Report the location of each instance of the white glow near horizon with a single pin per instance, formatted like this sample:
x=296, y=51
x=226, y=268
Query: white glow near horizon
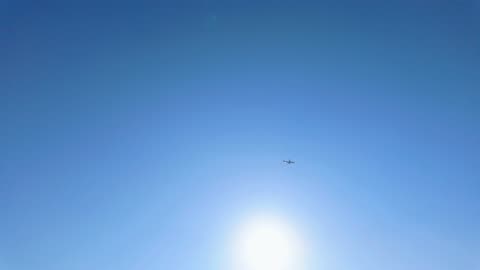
x=267, y=243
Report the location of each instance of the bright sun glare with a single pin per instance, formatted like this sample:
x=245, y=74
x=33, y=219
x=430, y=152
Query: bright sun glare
x=267, y=243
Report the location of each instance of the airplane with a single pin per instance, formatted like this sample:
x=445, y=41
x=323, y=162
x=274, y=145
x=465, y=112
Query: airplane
x=289, y=161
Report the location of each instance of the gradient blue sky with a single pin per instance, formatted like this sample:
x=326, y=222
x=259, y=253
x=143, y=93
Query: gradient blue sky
x=134, y=136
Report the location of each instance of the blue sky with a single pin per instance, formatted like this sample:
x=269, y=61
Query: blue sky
x=134, y=136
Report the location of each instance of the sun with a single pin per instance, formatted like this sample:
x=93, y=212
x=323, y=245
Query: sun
x=267, y=243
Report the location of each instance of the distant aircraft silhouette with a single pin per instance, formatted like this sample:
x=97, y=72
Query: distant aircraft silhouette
x=289, y=161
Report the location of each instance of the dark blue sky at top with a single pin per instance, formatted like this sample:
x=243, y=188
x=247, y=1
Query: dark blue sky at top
x=132, y=136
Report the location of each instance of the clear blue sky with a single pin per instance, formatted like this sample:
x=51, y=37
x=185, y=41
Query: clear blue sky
x=132, y=137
